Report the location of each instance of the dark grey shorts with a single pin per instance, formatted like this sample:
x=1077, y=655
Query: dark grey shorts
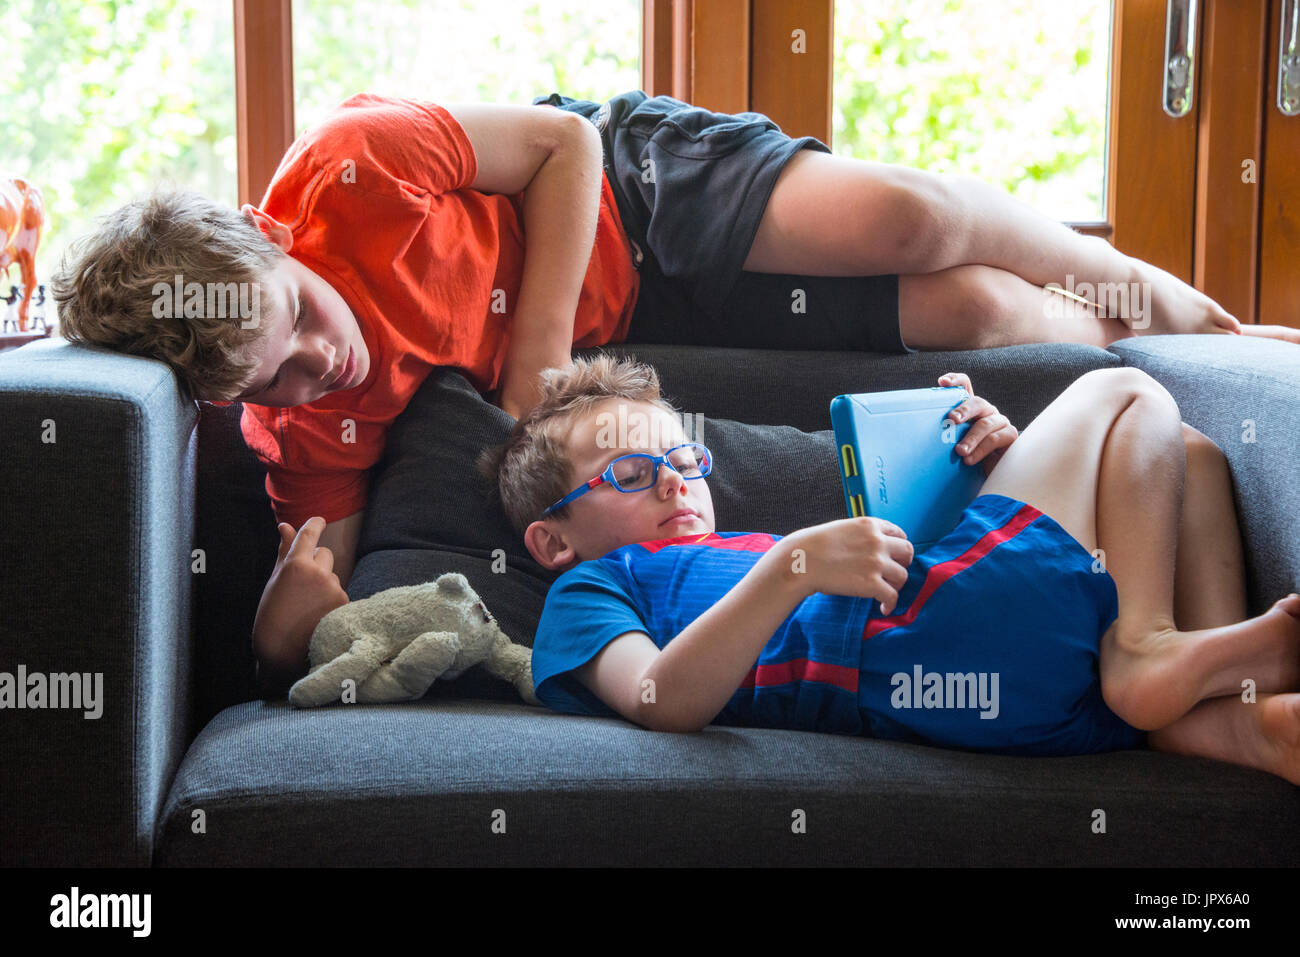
x=691, y=187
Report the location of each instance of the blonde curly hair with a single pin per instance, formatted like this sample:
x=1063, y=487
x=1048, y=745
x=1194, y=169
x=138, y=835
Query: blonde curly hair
x=105, y=287
x=531, y=470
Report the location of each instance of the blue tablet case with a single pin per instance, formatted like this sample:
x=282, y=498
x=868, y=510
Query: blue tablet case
x=899, y=462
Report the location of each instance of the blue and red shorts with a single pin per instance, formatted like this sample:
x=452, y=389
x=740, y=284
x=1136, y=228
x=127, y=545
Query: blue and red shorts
x=993, y=645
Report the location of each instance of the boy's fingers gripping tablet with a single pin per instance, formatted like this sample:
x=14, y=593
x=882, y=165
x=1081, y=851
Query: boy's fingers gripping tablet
x=957, y=379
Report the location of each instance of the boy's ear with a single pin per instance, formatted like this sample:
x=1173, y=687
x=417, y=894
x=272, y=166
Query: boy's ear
x=547, y=546
x=273, y=229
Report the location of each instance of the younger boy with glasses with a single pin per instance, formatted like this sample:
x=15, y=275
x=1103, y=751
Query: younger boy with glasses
x=1001, y=637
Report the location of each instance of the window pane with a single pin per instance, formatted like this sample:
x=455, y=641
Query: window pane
x=508, y=51
x=1012, y=92
x=104, y=100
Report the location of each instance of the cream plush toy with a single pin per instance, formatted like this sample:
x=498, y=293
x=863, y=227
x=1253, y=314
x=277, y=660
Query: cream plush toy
x=396, y=643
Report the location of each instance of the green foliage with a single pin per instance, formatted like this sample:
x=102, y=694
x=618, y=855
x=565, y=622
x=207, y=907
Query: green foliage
x=1013, y=93
x=102, y=99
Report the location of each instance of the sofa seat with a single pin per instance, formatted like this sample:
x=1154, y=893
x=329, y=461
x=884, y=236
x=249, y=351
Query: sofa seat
x=419, y=784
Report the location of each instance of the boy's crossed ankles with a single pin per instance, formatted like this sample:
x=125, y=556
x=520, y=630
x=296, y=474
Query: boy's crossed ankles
x=1152, y=677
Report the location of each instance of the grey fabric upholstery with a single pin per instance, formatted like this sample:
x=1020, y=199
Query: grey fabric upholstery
x=96, y=538
x=1244, y=393
x=419, y=785
x=97, y=543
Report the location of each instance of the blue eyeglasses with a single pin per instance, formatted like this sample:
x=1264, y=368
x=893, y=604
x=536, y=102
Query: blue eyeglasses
x=639, y=471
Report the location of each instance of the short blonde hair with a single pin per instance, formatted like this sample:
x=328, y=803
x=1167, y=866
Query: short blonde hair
x=531, y=470
x=105, y=287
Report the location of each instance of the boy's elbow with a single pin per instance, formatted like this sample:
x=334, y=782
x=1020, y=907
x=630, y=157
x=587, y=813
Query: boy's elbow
x=655, y=717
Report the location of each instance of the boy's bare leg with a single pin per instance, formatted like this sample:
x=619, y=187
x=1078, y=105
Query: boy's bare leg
x=1263, y=734
x=980, y=307
x=983, y=307
x=1210, y=571
x=1106, y=461
x=835, y=216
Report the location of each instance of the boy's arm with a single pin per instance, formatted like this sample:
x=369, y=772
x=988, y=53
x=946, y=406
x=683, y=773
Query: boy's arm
x=340, y=538
x=561, y=203
x=312, y=569
x=696, y=674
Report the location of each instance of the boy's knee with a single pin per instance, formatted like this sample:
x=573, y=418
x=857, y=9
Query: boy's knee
x=1201, y=450
x=956, y=308
x=1128, y=381
x=1006, y=310
x=926, y=203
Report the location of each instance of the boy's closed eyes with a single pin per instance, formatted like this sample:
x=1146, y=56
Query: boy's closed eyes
x=313, y=343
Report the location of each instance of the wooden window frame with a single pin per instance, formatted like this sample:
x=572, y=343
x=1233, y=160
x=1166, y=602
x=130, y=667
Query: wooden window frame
x=263, y=92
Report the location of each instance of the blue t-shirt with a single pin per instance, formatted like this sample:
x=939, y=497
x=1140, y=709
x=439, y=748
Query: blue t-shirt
x=805, y=678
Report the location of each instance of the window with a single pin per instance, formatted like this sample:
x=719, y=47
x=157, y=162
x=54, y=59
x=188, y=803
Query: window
x=508, y=51
x=1013, y=93
x=103, y=100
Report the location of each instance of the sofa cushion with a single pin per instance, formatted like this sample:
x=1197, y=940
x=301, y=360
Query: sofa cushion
x=421, y=784
x=235, y=527
x=1244, y=393
x=776, y=387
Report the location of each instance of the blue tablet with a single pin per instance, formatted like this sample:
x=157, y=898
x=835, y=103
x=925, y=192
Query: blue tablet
x=899, y=462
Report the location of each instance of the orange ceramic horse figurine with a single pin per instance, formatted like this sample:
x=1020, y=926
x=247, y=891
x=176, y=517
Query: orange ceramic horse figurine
x=22, y=214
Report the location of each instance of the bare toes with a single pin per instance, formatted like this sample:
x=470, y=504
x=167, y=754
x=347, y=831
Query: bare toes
x=1284, y=333
x=1279, y=717
x=1290, y=604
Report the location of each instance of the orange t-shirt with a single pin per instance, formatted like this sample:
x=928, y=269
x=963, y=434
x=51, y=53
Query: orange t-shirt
x=378, y=200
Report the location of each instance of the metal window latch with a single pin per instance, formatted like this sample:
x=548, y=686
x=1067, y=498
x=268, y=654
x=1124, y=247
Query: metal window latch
x=1180, y=56
x=1288, y=59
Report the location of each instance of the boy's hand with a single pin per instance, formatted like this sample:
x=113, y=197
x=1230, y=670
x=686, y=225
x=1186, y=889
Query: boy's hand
x=990, y=432
x=516, y=400
x=519, y=392
x=301, y=591
x=866, y=557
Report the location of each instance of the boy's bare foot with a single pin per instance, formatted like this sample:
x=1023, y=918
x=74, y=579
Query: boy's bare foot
x=1279, y=723
x=1170, y=306
x=1262, y=734
x=1153, y=678
x=1285, y=333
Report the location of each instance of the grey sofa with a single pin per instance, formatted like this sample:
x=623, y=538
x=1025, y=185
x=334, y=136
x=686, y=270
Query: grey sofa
x=136, y=537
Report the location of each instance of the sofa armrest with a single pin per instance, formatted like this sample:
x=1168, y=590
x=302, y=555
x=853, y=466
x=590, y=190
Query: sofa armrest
x=1244, y=393
x=97, y=527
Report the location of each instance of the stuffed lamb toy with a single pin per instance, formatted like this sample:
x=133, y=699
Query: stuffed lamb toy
x=396, y=643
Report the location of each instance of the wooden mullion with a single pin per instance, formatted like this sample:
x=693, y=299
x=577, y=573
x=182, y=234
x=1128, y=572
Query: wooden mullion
x=657, y=47
x=1279, y=186
x=263, y=92
x=1151, y=168
x=793, y=88
x=1231, y=130
x=720, y=55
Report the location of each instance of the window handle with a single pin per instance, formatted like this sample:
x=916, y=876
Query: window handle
x=1288, y=59
x=1180, y=55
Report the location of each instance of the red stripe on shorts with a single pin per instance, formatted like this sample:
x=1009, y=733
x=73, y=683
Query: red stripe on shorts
x=940, y=573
